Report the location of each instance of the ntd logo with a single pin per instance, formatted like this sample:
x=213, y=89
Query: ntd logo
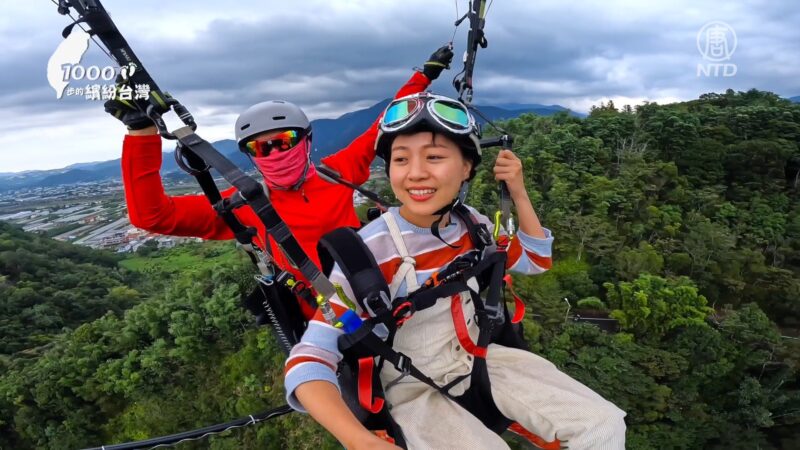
x=716, y=42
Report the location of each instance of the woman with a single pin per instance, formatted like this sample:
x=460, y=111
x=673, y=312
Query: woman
x=431, y=147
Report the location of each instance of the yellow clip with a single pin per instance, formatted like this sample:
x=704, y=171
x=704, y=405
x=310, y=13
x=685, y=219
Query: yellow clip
x=343, y=297
x=320, y=299
x=497, y=217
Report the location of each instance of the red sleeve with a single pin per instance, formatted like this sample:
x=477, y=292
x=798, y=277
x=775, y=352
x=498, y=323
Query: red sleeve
x=353, y=161
x=150, y=208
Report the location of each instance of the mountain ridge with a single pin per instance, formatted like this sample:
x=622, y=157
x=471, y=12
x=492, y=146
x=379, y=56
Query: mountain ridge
x=330, y=135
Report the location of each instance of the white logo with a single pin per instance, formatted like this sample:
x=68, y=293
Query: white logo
x=69, y=53
x=64, y=66
x=716, y=42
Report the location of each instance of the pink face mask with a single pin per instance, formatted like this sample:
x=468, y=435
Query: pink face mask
x=282, y=170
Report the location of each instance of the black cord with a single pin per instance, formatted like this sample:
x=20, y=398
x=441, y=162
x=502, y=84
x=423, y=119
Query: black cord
x=92, y=36
x=486, y=119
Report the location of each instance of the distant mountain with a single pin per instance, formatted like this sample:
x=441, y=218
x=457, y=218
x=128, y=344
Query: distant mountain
x=330, y=136
x=543, y=110
x=75, y=176
x=795, y=99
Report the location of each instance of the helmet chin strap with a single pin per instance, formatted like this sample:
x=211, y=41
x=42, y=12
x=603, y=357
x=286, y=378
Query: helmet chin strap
x=462, y=194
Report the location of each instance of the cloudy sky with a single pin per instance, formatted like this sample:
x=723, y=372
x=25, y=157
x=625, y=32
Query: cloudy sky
x=334, y=56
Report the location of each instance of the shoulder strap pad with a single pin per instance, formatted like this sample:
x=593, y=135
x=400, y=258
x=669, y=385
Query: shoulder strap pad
x=345, y=247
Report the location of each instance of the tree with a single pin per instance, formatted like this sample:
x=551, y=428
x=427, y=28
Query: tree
x=651, y=306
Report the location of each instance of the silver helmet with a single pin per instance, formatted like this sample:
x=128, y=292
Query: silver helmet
x=268, y=116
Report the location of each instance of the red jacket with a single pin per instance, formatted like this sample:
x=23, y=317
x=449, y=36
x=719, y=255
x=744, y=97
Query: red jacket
x=324, y=206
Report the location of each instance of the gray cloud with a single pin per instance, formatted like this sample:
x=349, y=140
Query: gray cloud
x=331, y=57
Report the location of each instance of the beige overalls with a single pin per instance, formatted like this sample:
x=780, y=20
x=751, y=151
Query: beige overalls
x=526, y=387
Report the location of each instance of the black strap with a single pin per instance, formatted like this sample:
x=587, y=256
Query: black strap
x=371, y=345
x=224, y=208
x=495, y=262
x=345, y=247
x=475, y=39
x=201, y=432
x=363, y=342
x=253, y=193
x=478, y=232
x=333, y=176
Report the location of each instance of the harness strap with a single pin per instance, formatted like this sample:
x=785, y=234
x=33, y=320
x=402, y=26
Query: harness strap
x=407, y=270
x=252, y=192
x=371, y=344
x=534, y=439
x=519, y=305
x=478, y=232
x=462, y=332
x=330, y=175
x=224, y=207
x=365, y=398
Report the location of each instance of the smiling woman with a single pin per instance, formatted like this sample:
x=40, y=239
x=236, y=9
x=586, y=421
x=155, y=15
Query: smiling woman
x=472, y=389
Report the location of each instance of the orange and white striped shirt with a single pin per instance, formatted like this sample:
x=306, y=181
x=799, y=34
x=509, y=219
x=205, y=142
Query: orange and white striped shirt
x=317, y=355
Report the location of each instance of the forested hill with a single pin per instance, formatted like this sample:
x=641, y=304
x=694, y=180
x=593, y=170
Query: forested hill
x=680, y=221
x=708, y=189
x=47, y=285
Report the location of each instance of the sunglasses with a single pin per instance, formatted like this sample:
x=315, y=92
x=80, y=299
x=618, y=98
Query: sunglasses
x=281, y=142
x=450, y=114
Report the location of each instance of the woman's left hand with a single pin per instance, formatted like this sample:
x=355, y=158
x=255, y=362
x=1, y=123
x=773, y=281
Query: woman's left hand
x=508, y=168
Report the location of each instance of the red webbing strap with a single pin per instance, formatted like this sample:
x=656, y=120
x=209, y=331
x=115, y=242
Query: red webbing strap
x=518, y=429
x=519, y=305
x=461, y=329
x=365, y=366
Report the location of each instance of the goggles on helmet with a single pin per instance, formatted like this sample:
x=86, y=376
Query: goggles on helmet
x=407, y=112
x=281, y=142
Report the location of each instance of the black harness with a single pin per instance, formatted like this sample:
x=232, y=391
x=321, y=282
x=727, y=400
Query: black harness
x=360, y=373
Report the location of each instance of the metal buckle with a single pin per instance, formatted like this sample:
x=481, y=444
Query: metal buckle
x=484, y=235
x=403, y=364
x=494, y=313
x=377, y=303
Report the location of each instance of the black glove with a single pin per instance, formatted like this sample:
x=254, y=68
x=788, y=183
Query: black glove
x=439, y=60
x=128, y=111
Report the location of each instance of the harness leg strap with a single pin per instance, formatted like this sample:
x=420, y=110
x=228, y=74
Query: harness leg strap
x=365, y=398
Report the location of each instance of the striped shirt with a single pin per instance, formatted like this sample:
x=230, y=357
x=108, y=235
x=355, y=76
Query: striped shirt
x=317, y=355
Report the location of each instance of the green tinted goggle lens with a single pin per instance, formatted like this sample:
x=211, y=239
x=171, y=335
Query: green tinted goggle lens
x=453, y=114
